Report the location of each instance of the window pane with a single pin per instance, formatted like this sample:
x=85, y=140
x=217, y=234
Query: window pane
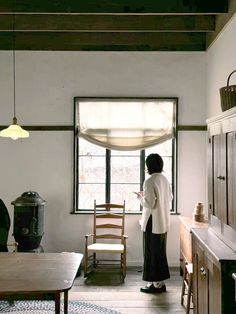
x=167, y=171
x=125, y=153
x=91, y=169
x=163, y=149
x=125, y=169
x=90, y=192
x=121, y=192
x=86, y=148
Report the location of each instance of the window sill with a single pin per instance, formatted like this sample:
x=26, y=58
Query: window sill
x=90, y=212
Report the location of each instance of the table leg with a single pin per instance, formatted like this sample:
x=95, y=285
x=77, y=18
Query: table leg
x=57, y=303
x=66, y=302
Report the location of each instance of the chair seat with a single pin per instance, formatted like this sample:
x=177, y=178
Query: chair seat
x=106, y=247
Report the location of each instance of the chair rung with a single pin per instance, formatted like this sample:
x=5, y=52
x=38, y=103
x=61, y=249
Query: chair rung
x=107, y=260
x=113, y=226
x=108, y=236
x=109, y=205
x=109, y=216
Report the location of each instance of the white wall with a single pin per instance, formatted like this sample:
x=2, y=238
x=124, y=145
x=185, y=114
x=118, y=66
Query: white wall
x=221, y=61
x=46, y=83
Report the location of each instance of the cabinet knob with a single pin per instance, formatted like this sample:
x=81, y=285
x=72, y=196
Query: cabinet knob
x=203, y=272
x=221, y=177
x=234, y=276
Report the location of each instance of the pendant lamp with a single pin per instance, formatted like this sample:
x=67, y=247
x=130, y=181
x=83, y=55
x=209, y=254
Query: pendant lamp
x=14, y=131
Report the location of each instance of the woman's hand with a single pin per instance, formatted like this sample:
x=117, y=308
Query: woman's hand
x=139, y=194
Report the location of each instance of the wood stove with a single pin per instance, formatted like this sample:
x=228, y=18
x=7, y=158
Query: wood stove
x=28, y=221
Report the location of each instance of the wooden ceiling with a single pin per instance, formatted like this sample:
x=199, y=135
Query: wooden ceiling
x=109, y=25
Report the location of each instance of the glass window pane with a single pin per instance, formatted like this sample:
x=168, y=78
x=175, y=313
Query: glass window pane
x=163, y=149
x=167, y=171
x=86, y=148
x=90, y=192
x=92, y=169
x=125, y=153
x=121, y=192
x=125, y=169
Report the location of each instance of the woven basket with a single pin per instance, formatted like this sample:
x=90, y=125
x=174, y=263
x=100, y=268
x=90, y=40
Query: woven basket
x=228, y=95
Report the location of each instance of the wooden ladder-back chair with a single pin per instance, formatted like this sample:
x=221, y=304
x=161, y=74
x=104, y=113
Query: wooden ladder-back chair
x=108, y=238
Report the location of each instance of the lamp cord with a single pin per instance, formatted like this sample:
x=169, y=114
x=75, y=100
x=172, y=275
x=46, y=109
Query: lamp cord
x=14, y=65
x=14, y=79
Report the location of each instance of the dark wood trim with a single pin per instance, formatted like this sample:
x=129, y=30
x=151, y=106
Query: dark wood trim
x=108, y=176
x=104, y=41
x=107, y=23
x=114, y=6
x=44, y=127
x=191, y=128
x=71, y=127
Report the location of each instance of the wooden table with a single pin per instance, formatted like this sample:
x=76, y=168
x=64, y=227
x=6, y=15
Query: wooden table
x=38, y=276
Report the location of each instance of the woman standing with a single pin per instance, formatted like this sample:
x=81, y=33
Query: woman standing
x=155, y=199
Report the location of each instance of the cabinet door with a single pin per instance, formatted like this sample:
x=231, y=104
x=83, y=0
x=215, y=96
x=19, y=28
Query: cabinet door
x=214, y=287
x=207, y=282
x=219, y=177
x=200, y=283
x=210, y=175
x=231, y=179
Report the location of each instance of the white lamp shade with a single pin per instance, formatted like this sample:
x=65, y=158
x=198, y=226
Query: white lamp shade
x=14, y=131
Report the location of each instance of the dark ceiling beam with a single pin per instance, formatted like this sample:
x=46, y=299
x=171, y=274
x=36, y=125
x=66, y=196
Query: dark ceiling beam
x=221, y=21
x=104, y=41
x=114, y=6
x=109, y=22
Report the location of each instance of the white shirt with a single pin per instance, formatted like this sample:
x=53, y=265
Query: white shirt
x=156, y=200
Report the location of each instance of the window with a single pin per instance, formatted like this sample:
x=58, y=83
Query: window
x=112, y=175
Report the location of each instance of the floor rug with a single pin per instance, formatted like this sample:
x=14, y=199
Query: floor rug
x=48, y=307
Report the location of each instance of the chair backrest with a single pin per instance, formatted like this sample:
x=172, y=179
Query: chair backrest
x=4, y=226
x=109, y=221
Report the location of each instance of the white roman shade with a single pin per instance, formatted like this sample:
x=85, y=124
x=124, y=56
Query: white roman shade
x=125, y=124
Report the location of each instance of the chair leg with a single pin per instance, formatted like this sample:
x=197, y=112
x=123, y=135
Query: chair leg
x=187, y=284
x=123, y=267
x=183, y=286
x=94, y=259
x=189, y=293
x=85, y=261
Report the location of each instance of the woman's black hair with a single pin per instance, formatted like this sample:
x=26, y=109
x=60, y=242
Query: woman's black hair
x=154, y=163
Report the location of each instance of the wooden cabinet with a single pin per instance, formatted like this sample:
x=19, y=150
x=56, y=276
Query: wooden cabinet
x=186, y=226
x=214, y=265
x=222, y=176
x=214, y=249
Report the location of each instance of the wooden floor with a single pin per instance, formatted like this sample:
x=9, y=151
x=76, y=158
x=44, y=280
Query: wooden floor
x=104, y=289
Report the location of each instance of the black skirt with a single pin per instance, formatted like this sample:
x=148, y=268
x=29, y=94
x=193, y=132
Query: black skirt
x=155, y=266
